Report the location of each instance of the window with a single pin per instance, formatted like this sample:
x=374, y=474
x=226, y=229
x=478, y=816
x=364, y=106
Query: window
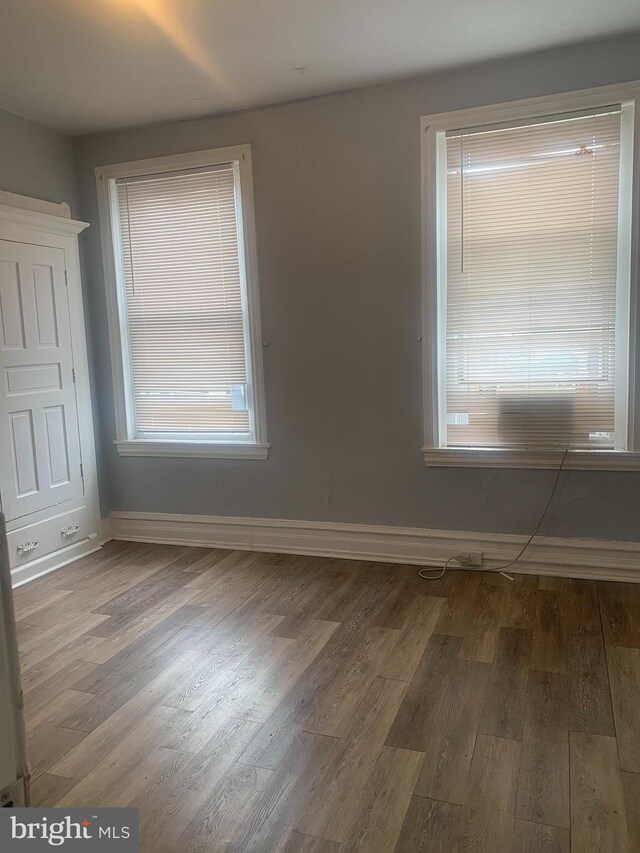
x=180, y=265
x=527, y=259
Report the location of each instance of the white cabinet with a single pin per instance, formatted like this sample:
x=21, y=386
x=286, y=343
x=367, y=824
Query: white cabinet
x=47, y=460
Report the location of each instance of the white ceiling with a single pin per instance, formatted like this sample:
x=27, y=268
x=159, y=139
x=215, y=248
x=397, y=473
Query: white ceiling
x=88, y=65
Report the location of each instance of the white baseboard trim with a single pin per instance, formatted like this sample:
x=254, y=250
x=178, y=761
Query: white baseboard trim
x=581, y=558
x=37, y=568
x=106, y=534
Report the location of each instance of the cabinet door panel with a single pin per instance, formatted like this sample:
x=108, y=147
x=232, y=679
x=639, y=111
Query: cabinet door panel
x=40, y=463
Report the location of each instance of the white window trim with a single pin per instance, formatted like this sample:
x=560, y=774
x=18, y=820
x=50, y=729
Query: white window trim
x=433, y=128
x=127, y=442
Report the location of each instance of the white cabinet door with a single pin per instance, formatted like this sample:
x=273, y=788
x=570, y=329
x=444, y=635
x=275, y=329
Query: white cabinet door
x=40, y=463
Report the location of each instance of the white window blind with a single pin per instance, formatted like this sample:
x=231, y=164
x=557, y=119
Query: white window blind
x=182, y=270
x=531, y=268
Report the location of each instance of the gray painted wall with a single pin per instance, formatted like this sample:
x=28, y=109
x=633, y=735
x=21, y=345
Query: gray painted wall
x=36, y=161
x=337, y=188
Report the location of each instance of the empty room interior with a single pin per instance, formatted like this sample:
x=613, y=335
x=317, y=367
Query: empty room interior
x=320, y=426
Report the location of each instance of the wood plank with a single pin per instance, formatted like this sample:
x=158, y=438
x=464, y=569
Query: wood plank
x=111, y=647
x=620, y=607
x=102, y=783
x=336, y=706
x=284, y=795
x=229, y=593
x=228, y=646
x=598, y=814
x=232, y=563
x=383, y=800
x=543, y=785
x=196, y=559
x=430, y=826
x=549, y=649
x=126, y=662
x=29, y=607
x=280, y=731
x=299, y=843
x=146, y=591
x=537, y=838
x=239, y=690
x=624, y=675
x=439, y=717
x=292, y=626
x=338, y=606
x=54, y=639
x=120, y=685
x=329, y=812
x=57, y=709
x=583, y=605
x=489, y=802
x=253, y=689
x=504, y=706
x=196, y=731
x=589, y=696
x=38, y=699
x=77, y=611
x=288, y=669
x=47, y=790
x=226, y=810
x=578, y=599
x=487, y=832
x=421, y=617
x=399, y=609
x=303, y=589
x=484, y=627
x=493, y=776
x=521, y=602
x=42, y=672
x=440, y=587
x=47, y=745
x=631, y=789
x=97, y=745
x=180, y=785
x=167, y=596
x=458, y=610
x=141, y=790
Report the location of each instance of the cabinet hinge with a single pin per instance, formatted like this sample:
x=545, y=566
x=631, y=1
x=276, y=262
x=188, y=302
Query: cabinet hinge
x=66, y=279
x=82, y=472
x=73, y=375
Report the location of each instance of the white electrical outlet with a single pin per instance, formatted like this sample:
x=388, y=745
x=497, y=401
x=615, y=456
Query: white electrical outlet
x=470, y=559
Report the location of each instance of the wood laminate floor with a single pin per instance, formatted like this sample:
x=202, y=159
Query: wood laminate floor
x=261, y=703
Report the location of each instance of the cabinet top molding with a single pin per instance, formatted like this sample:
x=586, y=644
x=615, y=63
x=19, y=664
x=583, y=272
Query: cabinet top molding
x=39, y=215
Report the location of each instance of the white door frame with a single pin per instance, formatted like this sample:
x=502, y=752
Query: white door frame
x=47, y=224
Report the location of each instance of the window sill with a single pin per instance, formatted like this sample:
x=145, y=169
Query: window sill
x=196, y=449
x=577, y=460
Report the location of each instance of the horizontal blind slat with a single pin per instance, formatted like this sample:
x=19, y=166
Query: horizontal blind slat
x=532, y=231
